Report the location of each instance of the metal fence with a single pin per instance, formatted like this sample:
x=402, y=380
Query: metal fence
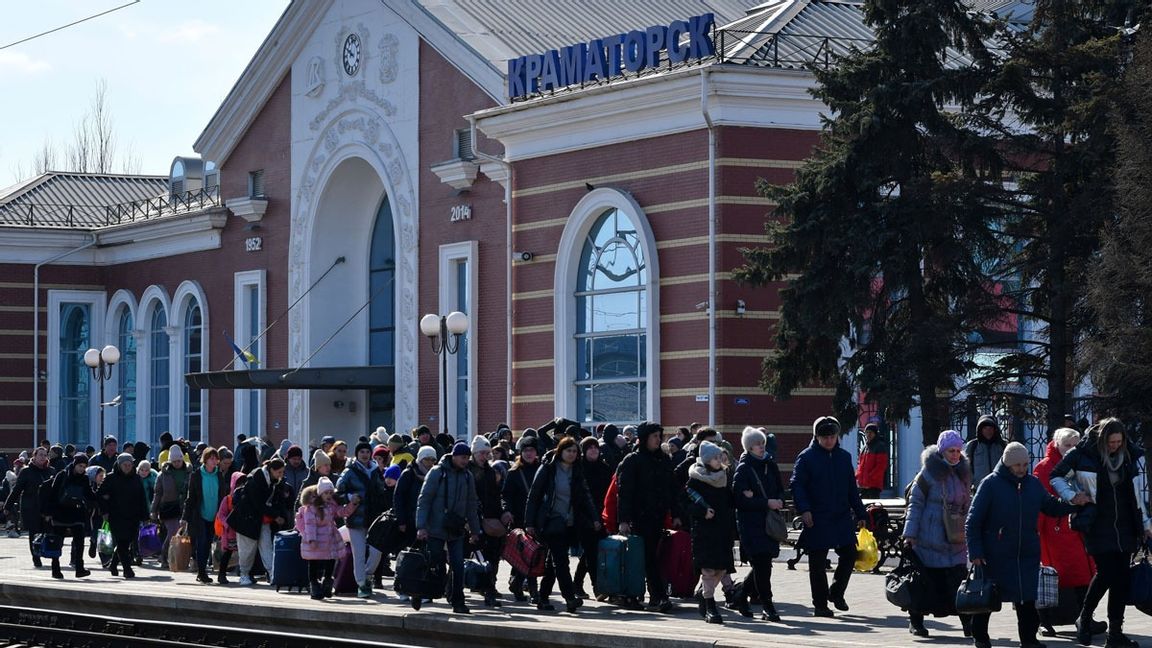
x=48, y=215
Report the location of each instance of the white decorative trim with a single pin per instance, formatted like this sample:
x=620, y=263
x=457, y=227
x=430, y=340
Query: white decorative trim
x=121, y=300
x=260, y=79
x=458, y=174
x=128, y=243
x=450, y=254
x=650, y=107
x=497, y=172
x=250, y=209
x=571, y=245
x=95, y=300
x=186, y=292
x=240, y=397
x=154, y=297
x=365, y=134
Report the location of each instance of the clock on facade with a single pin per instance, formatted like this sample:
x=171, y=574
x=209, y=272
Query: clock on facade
x=351, y=54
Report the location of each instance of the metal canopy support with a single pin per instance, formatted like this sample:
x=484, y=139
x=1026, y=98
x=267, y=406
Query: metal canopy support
x=305, y=378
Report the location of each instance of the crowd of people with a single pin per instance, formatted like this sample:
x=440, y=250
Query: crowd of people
x=1084, y=512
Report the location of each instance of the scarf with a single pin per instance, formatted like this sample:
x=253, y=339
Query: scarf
x=1113, y=463
x=715, y=479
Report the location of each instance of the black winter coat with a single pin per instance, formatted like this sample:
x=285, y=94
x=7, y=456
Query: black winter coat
x=487, y=490
x=598, y=476
x=407, y=495
x=251, y=503
x=514, y=495
x=539, y=506
x=1118, y=526
x=645, y=488
x=610, y=453
x=121, y=498
x=195, y=498
x=762, y=477
x=27, y=493
x=712, y=540
x=70, y=500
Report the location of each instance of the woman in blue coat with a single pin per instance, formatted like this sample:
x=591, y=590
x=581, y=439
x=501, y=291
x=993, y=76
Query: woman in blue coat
x=757, y=488
x=824, y=488
x=1001, y=534
x=943, y=486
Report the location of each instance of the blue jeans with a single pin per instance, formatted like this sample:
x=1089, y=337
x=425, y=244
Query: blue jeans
x=455, y=556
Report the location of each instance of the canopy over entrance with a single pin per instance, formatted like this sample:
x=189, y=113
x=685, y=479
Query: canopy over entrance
x=306, y=378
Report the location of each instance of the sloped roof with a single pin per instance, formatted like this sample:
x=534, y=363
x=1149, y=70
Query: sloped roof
x=74, y=200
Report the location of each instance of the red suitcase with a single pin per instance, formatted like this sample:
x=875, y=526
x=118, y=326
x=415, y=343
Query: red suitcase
x=675, y=555
x=525, y=554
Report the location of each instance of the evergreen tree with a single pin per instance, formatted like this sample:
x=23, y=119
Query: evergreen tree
x=1050, y=107
x=1119, y=344
x=888, y=224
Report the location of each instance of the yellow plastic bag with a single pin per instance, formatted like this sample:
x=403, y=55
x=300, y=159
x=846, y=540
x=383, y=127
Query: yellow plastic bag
x=867, y=552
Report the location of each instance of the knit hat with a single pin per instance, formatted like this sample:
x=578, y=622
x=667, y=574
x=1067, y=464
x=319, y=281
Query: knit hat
x=752, y=437
x=479, y=444
x=124, y=457
x=175, y=453
x=825, y=426
x=324, y=485
x=646, y=429
x=949, y=439
x=1016, y=453
x=396, y=439
x=145, y=466
x=393, y=472
x=294, y=451
x=380, y=451
x=461, y=449
x=527, y=441
x=92, y=471
x=321, y=458
x=80, y=457
x=588, y=442
x=426, y=452
x=363, y=445
x=381, y=432
x=708, y=452
x=109, y=439
x=630, y=431
x=327, y=439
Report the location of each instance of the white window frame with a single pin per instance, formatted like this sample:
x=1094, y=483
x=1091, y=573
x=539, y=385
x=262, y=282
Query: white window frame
x=121, y=300
x=95, y=300
x=450, y=255
x=242, y=397
x=570, y=247
x=154, y=297
x=185, y=292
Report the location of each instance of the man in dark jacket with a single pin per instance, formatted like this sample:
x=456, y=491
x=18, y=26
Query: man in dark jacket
x=295, y=473
x=645, y=489
x=254, y=510
x=26, y=493
x=598, y=476
x=67, y=505
x=612, y=447
x=984, y=449
x=422, y=436
x=824, y=488
x=488, y=494
x=364, y=480
x=121, y=498
x=107, y=457
x=447, y=513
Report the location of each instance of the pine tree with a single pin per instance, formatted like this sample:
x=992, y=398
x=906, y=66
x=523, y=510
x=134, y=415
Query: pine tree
x=889, y=223
x=1119, y=344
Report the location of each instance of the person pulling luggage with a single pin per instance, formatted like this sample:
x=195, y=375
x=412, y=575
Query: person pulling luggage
x=447, y=514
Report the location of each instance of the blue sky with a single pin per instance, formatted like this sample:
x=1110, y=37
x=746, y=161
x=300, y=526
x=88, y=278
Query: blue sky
x=168, y=64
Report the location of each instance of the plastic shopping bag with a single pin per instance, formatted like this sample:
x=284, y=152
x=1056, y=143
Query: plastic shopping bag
x=867, y=552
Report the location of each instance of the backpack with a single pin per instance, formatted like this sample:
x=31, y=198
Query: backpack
x=876, y=520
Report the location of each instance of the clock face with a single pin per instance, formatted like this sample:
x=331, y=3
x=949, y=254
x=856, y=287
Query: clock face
x=351, y=54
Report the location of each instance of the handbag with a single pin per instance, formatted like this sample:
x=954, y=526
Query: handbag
x=51, y=545
x=954, y=518
x=105, y=543
x=1140, y=589
x=1047, y=588
x=906, y=587
x=774, y=523
x=382, y=533
x=493, y=527
x=1084, y=519
x=977, y=594
x=148, y=540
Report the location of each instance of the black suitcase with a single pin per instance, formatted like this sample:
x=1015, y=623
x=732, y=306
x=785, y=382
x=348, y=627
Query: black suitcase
x=418, y=576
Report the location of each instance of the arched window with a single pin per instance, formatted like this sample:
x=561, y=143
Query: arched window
x=158, y=387
x=126, y=378
x=193, y=362
x=382, y=313
x=611, y=332
x=74, y=383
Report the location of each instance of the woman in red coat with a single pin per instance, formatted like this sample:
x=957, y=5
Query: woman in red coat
x=1060, y=546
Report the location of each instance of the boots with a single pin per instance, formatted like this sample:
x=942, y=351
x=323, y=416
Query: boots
x=711, y=612
x=81, y=572
x=769, y=613
x=36, y=562
x=327, y=587
x=916, y=625
x=128, y=572
x=741, y=605
x=703, y=607
x=1116, y=636
x=316, y=590
x=202, y=575
x=222, y=574
x=56, y=573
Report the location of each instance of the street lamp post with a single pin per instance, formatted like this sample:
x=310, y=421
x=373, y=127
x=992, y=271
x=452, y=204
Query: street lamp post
x=444, y=332
x=99, y=362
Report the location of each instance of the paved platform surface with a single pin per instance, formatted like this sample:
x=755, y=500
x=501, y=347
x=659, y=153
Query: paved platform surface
x=161, y=594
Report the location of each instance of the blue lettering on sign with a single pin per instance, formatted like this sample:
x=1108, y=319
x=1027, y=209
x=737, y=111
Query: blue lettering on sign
x=602, y=59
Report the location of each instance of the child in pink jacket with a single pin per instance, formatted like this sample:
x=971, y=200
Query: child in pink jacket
x=320, y=541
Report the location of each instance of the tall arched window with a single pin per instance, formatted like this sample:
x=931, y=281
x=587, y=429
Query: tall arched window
x=611, y=333
x=193, y=362
x=74, y=383
x=382, y=314
x=158, y=387
x=126, y=378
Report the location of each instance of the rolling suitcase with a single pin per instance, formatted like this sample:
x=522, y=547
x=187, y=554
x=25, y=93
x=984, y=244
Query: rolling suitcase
x=418, y=576
x=344, y=581
x=288, y=568
x=620, y=566
x=676, y=564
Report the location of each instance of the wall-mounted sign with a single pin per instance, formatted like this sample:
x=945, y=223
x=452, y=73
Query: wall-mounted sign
x=701, y=398
x=460, y=213
x=603, y=59
x=740, y=400
x=253, y=244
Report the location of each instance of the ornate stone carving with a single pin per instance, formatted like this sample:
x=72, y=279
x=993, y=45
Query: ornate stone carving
x=350, y=93
x=389, y=63
x=315, y=77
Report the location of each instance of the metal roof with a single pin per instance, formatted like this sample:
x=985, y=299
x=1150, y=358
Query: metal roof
x=74, y=200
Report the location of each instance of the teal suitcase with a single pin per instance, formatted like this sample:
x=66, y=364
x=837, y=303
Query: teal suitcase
x=620, y=566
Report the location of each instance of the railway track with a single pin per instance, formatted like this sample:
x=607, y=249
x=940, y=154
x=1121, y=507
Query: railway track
x=35, y=628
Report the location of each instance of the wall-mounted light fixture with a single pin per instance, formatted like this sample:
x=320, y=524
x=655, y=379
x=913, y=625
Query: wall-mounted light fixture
x=740, y=308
